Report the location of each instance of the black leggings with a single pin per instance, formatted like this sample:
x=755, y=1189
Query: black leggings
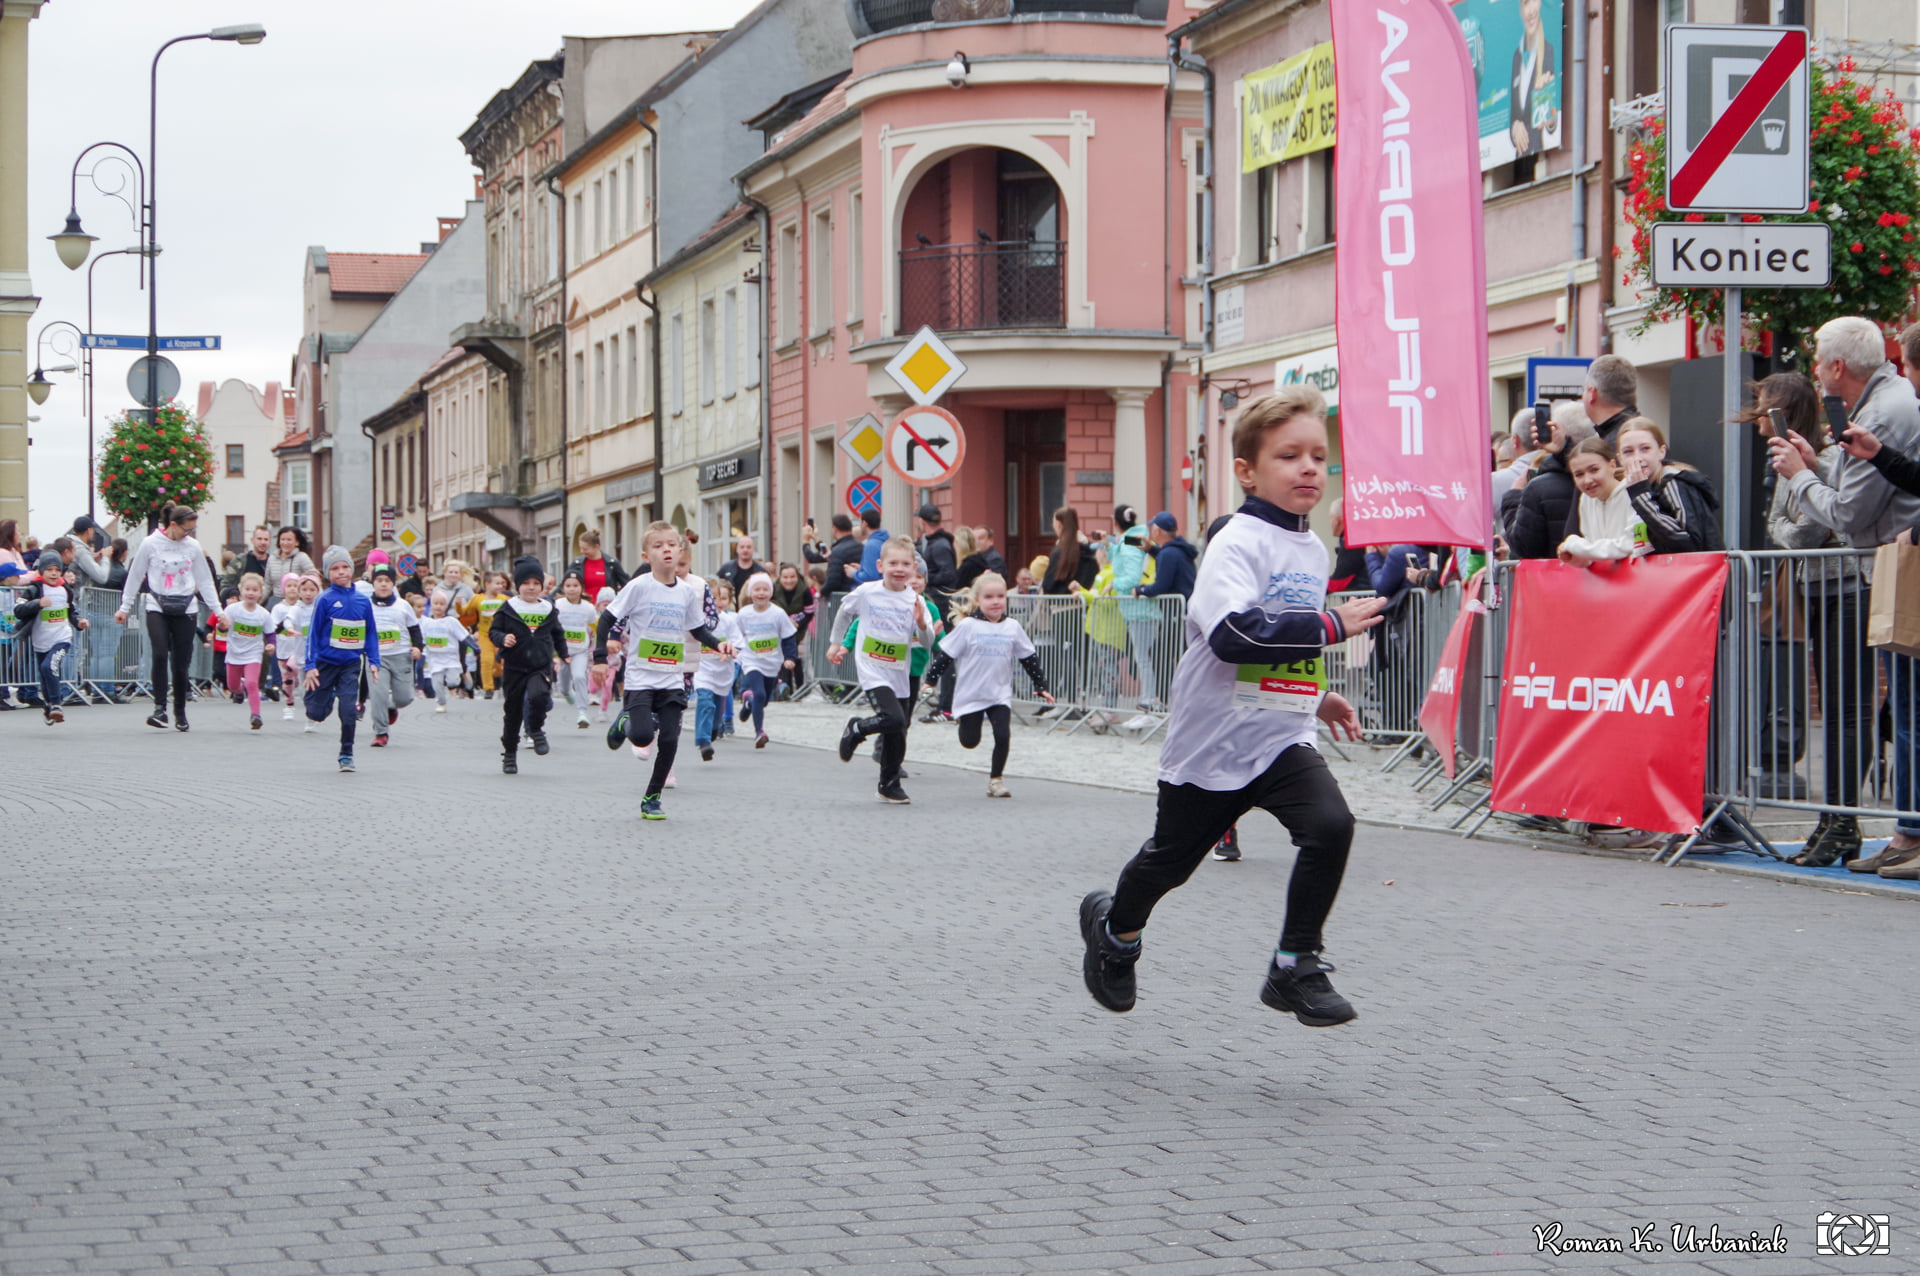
x=1002, y=719
x=889, y=722
x=171, y=638
x=1300, y=791
x=654, y=714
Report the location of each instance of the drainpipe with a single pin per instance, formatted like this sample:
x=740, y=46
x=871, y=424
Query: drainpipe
x=765, y=215
x=566, y=435
x=373, y=485
x=1579, y=113
x=1608, y=143
x=659, y=333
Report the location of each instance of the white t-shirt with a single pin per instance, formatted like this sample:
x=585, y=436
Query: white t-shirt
x=247, y=633
x=760, y=635
x=887, y=633
x=391, y=620
x=55, y=622
x=576, y=626
x=290, y=624
x=983, y=655
x=659, y=620
x=443, y=636
x=1231, y=721
x=715, y=673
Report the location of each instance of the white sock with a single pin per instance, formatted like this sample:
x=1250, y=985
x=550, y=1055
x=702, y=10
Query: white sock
x=1284, y=960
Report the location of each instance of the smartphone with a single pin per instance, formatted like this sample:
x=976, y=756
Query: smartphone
x=1542, y=424
x=1836, y=416
x=1777, y=418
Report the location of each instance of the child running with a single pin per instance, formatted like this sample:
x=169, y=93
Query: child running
x=1247, y=701
x=444, y=636
x=772, y=644
x=290, y=618
x=893, y=618
x=608, y=684
x=714, y=678
x=527, y=633
x=47, y=605
x=400, y=643
x=983, y=648
x=577, y=620
x=660, y=611
x=336, y=645
x=247, y=624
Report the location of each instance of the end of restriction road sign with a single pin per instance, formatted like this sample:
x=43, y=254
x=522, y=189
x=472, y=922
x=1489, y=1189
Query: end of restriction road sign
x=1737, y=111
x=1742, y=255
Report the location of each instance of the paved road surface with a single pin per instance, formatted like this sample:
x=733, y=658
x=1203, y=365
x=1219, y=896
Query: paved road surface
x=266, y=1018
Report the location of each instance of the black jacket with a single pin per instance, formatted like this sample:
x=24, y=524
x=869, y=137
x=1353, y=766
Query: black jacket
x=533, y=649
x=1540, y=519
x=943, y=569
x=974, y=564
x=1057, y=584
x=616, y=574
x=736, y=576
x=845, y=551
x=1173, y=570
x=1679, y=510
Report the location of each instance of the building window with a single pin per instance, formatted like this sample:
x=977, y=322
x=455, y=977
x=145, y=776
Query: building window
x=600, y=385
x=580, y=391
x=613, y=379
x=855, y=254
x=413, y=489
x=615, y=231
x=613, y=523
x=386, y=473
x=730, y=343
x=1266, y=197
x=1316, y=199
x=754, y=335
x=541, y=243
x=236, y=459
x=633, y=372
x=297, y=505
x=577, y=240
x=646, y=178
x=632, y=222
x=516, y=248
x=677, y=363
x=788, y=284
x=236, y=531
x=820, y=271
x=1197, y=195
x=709, y=350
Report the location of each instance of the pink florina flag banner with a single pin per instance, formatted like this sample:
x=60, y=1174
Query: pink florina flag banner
x=1410, y=278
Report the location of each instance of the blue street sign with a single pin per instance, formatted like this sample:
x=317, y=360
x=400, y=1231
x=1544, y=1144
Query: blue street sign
x=120, y=341
x=1556, y=377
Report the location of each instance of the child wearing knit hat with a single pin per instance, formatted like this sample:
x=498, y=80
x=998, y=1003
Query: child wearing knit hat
x=339, y=635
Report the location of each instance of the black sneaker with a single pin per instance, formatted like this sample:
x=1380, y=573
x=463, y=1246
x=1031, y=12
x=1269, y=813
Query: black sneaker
x=894, y=793
x=617, y=733
x=158, y=718
x=509, y=764
x=849, y=739
x=746, y=706
x=1108, y=968
x=706, y=753
x=180, y=720
x=540, y=745
x=1228, y=847
x=1305, y=989
x=650, y=808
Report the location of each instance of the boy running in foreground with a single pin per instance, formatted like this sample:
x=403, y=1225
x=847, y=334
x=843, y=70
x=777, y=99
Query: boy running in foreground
x=1247, y=702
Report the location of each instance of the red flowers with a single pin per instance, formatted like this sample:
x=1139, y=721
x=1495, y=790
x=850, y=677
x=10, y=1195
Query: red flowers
x=140, y=447
x=1853, y=174
x=1857, y=246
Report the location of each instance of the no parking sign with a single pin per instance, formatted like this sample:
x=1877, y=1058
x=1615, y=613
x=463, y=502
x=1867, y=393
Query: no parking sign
x=863, y=494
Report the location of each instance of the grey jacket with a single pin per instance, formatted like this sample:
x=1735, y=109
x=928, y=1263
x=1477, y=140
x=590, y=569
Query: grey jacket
x=1791, y=528
x=1857, y=501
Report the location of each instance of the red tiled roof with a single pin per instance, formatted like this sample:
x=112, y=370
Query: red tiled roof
x=372, y=274
x=298, y=439
x=834, y=103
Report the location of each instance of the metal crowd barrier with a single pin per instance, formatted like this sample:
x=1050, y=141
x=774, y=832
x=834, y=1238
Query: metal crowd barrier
x=1109, y=661
x=106, y=658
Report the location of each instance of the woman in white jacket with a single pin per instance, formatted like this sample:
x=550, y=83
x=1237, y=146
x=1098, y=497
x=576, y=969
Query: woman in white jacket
x=1603, y=524
x=172, y=569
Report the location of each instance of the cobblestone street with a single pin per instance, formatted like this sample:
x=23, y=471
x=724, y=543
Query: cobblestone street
x=269, y=1018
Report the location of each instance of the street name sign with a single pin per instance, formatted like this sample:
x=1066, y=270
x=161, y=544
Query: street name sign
x=1742, y=254
x=122, y=341
x=1737, y=107
x=925, y=368
x=925, y=446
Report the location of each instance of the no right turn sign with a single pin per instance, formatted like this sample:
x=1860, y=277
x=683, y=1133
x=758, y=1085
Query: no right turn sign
x=1737, y=119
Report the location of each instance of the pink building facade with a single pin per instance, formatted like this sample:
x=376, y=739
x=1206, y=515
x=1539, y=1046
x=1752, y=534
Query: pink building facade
x=1007, y=183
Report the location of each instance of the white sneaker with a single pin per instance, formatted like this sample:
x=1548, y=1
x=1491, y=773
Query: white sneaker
x=671, y=782
x=310, y=727
x=996, y=787
x=286, y=715
x=439, y=708
x=641, y=751
x=1140, y=723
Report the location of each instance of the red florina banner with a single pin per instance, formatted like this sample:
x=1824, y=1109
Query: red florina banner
x=1440, y=712
x=1607, y=687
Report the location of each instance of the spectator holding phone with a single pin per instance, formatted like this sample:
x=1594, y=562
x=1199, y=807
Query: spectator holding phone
x=1548, y=497
x=1676, y=502
x=1867, y=510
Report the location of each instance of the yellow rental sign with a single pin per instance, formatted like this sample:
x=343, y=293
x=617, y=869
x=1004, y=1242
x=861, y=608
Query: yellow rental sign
x=1287, y=110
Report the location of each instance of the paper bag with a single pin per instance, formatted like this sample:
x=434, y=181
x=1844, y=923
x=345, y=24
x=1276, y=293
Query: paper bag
x=1893, y=619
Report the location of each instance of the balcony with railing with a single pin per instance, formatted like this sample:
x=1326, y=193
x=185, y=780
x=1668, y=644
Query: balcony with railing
x=872, y=17
x=983, y=285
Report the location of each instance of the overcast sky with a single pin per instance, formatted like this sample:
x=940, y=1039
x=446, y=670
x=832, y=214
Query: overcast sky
x=341, y=129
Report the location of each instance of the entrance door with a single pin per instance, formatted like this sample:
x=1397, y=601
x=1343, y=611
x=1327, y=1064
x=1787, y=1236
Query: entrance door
x=1036, y=442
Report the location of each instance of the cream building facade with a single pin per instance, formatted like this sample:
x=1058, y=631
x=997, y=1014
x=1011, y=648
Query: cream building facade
x=17, y=302
x=243, y=426
x=456, y=414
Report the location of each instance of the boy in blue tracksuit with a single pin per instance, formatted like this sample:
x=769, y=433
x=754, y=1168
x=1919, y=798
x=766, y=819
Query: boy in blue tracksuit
x=338, y=638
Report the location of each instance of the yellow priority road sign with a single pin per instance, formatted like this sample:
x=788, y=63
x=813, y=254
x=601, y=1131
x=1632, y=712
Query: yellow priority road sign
x=925, y=368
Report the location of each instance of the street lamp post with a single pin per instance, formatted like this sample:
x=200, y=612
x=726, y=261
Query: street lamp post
x=38, y=387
